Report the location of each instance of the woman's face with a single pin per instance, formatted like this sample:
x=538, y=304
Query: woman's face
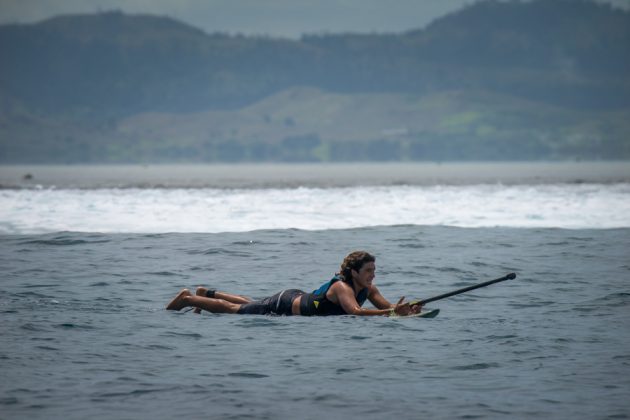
x=365, y=275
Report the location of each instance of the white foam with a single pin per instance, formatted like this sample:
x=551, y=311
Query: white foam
x=219, y=210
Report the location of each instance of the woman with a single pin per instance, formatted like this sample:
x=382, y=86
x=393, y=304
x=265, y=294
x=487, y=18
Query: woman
x=344, y=294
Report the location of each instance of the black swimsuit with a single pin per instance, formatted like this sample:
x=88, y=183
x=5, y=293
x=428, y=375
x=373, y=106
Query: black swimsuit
x=278, y=304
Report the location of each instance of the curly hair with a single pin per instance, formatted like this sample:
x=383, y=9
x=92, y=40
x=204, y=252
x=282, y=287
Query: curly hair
x=354, y=261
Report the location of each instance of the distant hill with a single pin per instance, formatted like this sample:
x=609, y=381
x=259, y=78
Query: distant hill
x=495, y=80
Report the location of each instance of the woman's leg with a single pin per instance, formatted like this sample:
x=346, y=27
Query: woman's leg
x=184, y=299
x=202, y=291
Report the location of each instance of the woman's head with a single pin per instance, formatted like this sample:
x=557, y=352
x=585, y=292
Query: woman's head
x=355, y=261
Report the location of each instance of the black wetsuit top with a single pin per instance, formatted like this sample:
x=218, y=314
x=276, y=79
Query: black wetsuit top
x=316, y=303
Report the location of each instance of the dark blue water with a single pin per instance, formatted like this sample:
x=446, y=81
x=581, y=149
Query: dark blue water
x=84, y=333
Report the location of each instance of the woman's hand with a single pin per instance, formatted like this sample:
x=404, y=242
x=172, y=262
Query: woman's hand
x=404, y=309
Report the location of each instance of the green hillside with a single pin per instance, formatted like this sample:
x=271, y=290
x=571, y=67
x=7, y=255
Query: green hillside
x=304, y=124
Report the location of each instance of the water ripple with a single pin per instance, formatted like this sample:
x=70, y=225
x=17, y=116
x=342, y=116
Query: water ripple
x=249, y=375
x=476, y=366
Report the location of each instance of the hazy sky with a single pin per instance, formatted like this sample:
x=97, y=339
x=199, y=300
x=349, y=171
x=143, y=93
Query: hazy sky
x=271, y=17
x=289, y=18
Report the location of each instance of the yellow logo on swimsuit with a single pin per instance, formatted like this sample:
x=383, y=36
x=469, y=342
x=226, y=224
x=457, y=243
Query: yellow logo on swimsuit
x=316, y=303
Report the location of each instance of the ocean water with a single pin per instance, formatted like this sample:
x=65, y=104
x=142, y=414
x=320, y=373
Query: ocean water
x=85, y=278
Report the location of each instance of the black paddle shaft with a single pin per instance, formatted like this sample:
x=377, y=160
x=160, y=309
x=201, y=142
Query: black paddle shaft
x=510, y=276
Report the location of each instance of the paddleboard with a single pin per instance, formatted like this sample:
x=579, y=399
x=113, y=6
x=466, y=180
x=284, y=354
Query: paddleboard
x=429, y=313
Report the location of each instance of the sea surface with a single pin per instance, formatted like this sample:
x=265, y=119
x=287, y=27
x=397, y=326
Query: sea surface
x=89, y=257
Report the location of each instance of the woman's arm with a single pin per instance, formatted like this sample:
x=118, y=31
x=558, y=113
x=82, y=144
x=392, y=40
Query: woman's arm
x=378, y=299
x=380, y=302
x=347, y=300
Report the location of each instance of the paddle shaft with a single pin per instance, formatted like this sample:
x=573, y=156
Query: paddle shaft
x=465, y=289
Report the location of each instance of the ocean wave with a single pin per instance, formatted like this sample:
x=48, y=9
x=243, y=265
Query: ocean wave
x=571, y=206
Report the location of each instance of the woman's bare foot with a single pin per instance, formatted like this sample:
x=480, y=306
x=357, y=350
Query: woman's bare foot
x=179, y=301
x=201, y=291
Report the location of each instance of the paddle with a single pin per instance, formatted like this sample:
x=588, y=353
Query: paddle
x=510, y=276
